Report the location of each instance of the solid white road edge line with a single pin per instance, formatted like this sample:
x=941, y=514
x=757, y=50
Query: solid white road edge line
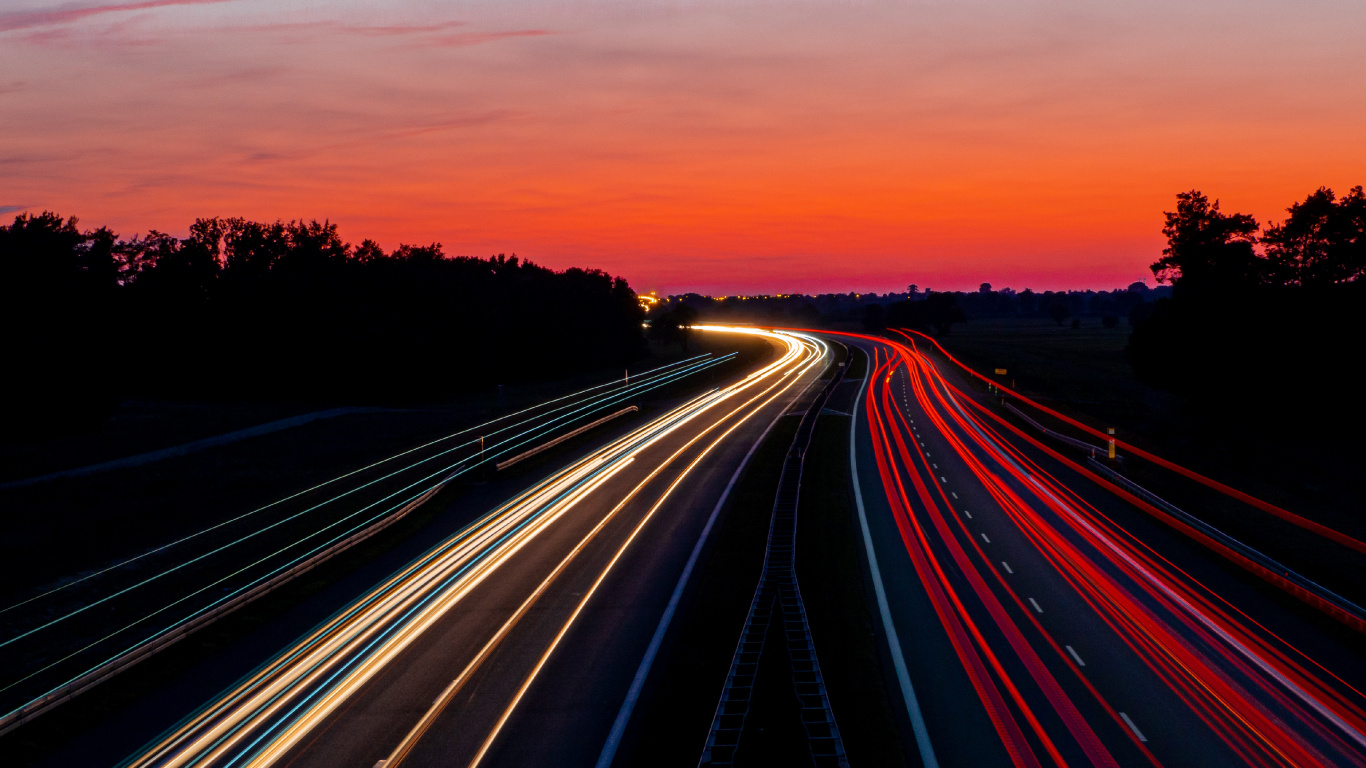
x=609, y=749
x=922, y=734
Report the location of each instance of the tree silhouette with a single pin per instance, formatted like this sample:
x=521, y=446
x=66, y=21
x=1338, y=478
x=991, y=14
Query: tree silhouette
x=1322, y=242
x=282, y=310
x=1207, y=249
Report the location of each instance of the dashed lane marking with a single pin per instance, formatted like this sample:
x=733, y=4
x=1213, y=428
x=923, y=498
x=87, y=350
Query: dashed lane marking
x=1133, y=727
x=969, y=514
x=1035, y=603
x=1080, y=663
x=984, y=538
x=1006, y=565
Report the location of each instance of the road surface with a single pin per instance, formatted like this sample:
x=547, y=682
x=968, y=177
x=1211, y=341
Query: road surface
x=1041, y=621
x=515, y=641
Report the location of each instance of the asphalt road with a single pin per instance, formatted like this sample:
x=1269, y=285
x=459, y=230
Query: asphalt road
x=1043, y=621
x=515, y=642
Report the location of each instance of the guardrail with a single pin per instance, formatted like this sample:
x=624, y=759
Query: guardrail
x=1082, y=444
x=142, y=652
x=1335, y=602
x=502, y=465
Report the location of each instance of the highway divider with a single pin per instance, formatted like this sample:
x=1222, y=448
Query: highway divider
x=502, y=465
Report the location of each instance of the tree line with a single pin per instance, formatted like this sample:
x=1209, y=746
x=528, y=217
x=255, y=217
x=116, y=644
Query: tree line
x=1263, y=322
x=928, y=310
x=243, y=309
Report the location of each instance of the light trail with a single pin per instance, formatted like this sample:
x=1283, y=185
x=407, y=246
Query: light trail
x=269, y=713
x=545, y=418
x=1264, y=701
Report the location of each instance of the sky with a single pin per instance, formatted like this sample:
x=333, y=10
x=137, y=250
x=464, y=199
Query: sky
x=719, y=146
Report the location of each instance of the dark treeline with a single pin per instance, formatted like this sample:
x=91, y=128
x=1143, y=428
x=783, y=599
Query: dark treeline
x=927, y=310
x=1266, y=324
x=287, y=310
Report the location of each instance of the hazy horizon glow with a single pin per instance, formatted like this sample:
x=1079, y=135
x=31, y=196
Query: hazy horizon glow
x=722, y=147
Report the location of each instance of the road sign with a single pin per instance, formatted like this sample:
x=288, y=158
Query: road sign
x=1000, y=371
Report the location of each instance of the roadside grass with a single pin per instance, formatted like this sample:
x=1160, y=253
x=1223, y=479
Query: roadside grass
x=839, y=600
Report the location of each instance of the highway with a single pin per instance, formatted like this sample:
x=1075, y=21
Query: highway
x=1038, y=620
x=66, y=637
x=515, y=640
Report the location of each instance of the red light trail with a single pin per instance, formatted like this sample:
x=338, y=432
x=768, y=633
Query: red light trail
x=1264, y=700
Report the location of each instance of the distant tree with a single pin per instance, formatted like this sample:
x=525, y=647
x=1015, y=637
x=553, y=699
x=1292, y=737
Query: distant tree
x=59, y=313
x=1207, y=250
x=1322, y=242
x=937, y=313
x=1059, y=311
x=984, y=288
x=434, y=252
x=875, y=317
x=685, y=317
x=368, y=250
x=671, y=326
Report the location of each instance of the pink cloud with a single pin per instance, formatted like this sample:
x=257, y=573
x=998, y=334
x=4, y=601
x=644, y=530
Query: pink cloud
x=68, y=15
x=478, y=38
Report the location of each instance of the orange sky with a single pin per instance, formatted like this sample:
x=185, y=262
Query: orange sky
x=692, y=144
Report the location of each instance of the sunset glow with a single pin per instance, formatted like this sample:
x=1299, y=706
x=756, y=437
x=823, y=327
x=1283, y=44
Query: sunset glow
x=722, y=147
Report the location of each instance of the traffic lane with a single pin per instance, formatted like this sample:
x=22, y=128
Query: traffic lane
x=1301, y=627
x=1032, y=590
x=399, y=699
x=566, y=713
x=569, y=710
x=953, y=715
x=377, y=717
x=1187, y=629
x=110, y=741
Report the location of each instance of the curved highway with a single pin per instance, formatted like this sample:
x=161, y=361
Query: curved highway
x=1041, y=622
x=514, y=641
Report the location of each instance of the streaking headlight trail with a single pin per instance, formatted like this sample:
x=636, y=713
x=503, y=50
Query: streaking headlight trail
x=267, y=714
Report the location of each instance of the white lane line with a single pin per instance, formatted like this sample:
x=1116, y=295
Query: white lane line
x=1133, y=727
x=1080, y=663
x=609, y=749
x=951, y=493
x=927, y=453
x=984, y=538
x=932, y=464
x=969, y=514
x=943, y=479
x=1035, y=603
x=1006, y=565
x=903, y=677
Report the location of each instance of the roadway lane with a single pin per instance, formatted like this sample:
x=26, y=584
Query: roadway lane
x=1038, y=628
x=515, y=642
